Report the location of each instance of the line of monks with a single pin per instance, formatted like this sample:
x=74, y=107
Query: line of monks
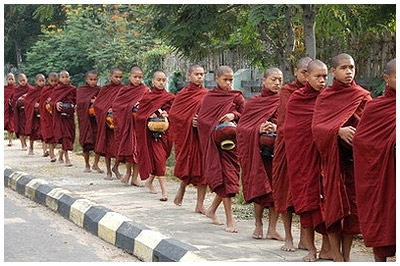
x=325, y=153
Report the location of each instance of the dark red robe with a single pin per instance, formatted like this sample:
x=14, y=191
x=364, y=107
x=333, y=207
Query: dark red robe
x=124, y=122
x=302, y=156
x=338, y=105
x=31, y=113
x=280, y=178
x=8, y=110
x=19, y=113
x=220, y=167
x=46, y=118
x=153, y=153
x=375, y=170
x=105, y=141
x=64, y=126
x=188, y=166
x=256, y=172
x=87, y=124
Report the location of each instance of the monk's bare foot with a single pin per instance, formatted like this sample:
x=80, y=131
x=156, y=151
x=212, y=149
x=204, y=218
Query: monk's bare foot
x=311, y=256
x=230, y=228
x=214, y=218
x=178, y=199
x=258, y=232
x=135, y=182
x=301, y=246
x=274, y=235
x=87, y=170
x=117, y=173
x=288, y=246
x=325, y=255
x=108, y=177
x=150, y=187
x=97, y=169
x=200, y=209
x=125, y=179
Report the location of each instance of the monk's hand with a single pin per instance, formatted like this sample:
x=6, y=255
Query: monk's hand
x=164, y=113
x=109, y=110
x=347, y=134
x=227, y=118
x=153, y=115
x=194, y=120
x=58, y=106
x=36, y=105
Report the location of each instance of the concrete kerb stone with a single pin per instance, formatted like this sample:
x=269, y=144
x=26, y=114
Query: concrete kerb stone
x=114, y=228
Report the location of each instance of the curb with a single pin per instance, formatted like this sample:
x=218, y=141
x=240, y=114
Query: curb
x=114, y=228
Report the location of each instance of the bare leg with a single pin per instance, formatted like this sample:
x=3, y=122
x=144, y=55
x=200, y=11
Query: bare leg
x=379, y=259
x=258, y=212
x=135, y=181
x=149, y=184
x=115, y=170
x=10, y=137
x=23, y=142
x=95, y=166
x=334, y=240
x=346, y=246
x=128, y=173
x=301, y=244
x=325, y=253
x=179, y=195
x=273, y=221
x=230, y=221
x=163, y=185
x=212, y=210
x=51, y=153
x=201, y=194
x=308, y=241
x=287, y=225
x=108, y=167
x=31, y=142
x=60, y=156
x=67, y=161
x=86, y=158
x=45, y=149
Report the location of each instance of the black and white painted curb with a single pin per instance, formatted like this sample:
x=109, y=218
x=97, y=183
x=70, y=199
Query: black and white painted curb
x=114, y=228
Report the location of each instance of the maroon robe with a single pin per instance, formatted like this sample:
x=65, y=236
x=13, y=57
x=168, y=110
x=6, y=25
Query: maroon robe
x=375, y=170
x=19, y=113
x=31, y=113
x=153, y=153
x=64, y=126
x=8, y=110
x=256, y=173
x=87, y=124
x=220, y=167
x=46, y=118
x=280, y=178
x=302, y=156
x=338, y=105
x=124, y=123
x=105, y=141
x=188, y=166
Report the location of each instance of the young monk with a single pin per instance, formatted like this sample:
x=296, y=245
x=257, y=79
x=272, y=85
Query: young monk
x=127, y=98
x=374, y=147
x=46, y=118
x=337, y=112
x=85, y=96
x=19, y=109
x=32, y=112
x=259, y=116
x=105, y=140
x=8, y=110
x=221, y=167
x=303, y=160
x=183, y=118
x=280, y=179
x=63, y=108
x=154, y=149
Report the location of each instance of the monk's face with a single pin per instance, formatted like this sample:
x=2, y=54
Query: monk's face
x=64, y=78
x=197, y=76
x=116, y=77
x=317, y=77
x=52, y=81
x=22, y=80
x=40, y=81
x=273, y=82
x=225, y=81
x=345, y=71
x=159, y=81
x=91, y=80
x=391, y=80
x=301, y=74
x=10, y=80
x=136, y=78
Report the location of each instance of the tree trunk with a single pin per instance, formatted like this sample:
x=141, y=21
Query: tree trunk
x=309, y=13
x=18, y=54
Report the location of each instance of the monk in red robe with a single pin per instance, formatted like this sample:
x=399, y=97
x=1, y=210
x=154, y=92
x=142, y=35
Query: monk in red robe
x=126, y=100
x=280, y=179
x=337, y=112
x=105, y=140
x=303, y=160
x=221, y=167
x=183, y=118
x=85, y=97
x=8, y=110
x=374, y=147
x=17, y=102
x=154, y=147
x=259, y=116
x=32, y=112
x=46, y=117
x=63, y=108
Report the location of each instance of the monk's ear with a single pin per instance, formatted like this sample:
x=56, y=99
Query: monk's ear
x=386, y=78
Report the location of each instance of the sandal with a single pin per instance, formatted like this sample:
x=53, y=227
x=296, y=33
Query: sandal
x=164, y=198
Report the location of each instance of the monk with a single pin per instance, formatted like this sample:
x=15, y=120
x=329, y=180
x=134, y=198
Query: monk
x=221, y=167
x=46, y=118
x=337, y=112
x=280, y=179
x=259, y=116
x=32, y=112
x=105, y=140
x=17, y=102
x=127, y=98
x=85, y=96
x=8, y=110
x=154, y=148
x=183, y=118
x=374, y=146
x=63, y=108
x=303, y=160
